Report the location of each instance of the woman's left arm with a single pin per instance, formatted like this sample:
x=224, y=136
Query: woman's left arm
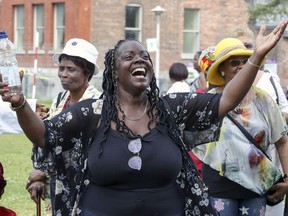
x=238, y=87
x=282, y=148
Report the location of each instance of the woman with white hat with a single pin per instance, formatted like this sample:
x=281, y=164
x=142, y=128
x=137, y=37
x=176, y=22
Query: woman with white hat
x=77, y=65
x=237, y=168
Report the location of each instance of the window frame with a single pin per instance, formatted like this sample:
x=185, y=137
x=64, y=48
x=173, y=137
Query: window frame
x=58, y=28
x=36, y=28
x=195, y=34
x=135, y=29
x=17, y=28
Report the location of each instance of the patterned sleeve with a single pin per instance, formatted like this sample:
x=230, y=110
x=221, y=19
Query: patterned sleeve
x=73, y=126
x=197, y=116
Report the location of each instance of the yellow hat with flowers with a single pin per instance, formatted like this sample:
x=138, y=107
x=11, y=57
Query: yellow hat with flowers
x=223, y=50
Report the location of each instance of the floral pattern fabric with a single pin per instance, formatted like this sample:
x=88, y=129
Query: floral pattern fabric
x=68, y=135
x=238, y=159
x=43, y=160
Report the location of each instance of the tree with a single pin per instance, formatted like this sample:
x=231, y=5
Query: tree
x=274, y=10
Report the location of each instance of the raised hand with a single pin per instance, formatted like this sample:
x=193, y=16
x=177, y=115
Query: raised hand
x=264, y=43
x=14, y=99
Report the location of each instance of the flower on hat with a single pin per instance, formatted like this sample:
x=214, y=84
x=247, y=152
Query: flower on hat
x=206, y=58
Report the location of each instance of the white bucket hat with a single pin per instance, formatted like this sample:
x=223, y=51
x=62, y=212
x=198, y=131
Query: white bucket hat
x=80, y=48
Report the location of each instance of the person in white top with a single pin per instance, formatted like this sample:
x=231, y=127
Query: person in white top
x=269, y=82
x=178, y=73
x=8, y=119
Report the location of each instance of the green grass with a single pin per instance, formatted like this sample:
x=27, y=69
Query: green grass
x=15, y=154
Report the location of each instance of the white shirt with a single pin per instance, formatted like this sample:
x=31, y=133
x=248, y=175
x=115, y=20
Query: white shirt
x=179, y=86
x=265, y=84
x=8, y=119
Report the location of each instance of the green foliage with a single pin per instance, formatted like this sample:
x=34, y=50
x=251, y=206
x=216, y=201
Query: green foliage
x=15, y=156
x=274, y=10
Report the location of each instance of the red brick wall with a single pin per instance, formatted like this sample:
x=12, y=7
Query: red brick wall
x=103, y=21
x=77, y=24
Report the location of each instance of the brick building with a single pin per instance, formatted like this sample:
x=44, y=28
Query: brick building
x=186, y=26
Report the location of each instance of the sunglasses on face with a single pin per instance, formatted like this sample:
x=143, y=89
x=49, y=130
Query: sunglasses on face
x=237, y=62
x=249, y=45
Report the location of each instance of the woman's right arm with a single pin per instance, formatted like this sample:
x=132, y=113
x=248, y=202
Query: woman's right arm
x=30, y=123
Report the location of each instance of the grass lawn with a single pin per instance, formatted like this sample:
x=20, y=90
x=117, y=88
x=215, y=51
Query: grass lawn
x=15, y=153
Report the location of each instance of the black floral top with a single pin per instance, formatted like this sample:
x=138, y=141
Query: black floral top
x=194, y=120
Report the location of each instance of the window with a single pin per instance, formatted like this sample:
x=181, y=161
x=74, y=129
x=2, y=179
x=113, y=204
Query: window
x=19, y=27
x=38, y=25
x=133, y=23
x=59, y=26
x=190, y=32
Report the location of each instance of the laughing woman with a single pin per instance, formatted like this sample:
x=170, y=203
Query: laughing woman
x=129, y=155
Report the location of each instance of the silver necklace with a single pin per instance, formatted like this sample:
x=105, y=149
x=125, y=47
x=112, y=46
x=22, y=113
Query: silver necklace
x=124, y=115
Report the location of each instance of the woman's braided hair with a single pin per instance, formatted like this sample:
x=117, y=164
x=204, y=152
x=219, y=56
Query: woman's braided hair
x=110, y=85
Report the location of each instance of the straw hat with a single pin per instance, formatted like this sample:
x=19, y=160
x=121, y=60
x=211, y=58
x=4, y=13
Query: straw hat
x=225, y=49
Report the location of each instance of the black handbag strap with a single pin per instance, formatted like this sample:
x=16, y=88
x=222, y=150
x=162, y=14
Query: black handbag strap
x=275, y=89
x=248, y=135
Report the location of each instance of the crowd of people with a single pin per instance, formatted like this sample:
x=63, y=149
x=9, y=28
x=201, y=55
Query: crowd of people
x=126, y=151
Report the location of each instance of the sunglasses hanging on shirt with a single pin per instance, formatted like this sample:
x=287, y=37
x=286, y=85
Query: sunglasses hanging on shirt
x=135, y=146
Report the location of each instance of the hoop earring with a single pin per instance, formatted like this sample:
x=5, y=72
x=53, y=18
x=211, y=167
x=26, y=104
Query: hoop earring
x=222, y=73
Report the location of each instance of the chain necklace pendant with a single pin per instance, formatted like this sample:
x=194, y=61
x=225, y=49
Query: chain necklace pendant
x=132, y=119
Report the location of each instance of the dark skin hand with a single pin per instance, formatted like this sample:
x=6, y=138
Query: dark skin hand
x=32, y=189
x=35, y=182
x=41, y=110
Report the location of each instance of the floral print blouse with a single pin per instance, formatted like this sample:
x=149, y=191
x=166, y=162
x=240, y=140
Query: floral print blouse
x=238, y=159
x=193, y=116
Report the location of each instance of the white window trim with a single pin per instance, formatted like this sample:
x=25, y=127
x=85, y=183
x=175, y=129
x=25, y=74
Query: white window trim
x=16, y=28
x=40, y=51
x=55, y=27
x=191, y=55
x=140, y=20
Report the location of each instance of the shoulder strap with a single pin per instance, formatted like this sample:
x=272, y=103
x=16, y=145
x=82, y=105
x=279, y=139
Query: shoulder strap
x=59, y=97
x=273, y=84
x=248, y=135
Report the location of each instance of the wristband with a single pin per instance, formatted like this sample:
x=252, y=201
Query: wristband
x=257, y=66
x=20, y=106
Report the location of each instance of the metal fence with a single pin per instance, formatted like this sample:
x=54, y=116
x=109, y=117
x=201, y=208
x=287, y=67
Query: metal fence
x=48, y=84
